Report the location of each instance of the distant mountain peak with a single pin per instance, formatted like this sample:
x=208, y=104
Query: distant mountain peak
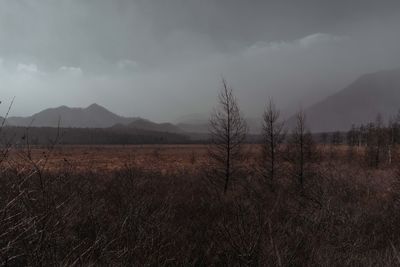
x=358, y=103
x=95, y=106
x=144, y=124
x=93, y=116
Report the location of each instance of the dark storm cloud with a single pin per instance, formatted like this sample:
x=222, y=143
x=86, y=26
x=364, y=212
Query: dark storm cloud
x=225, y=21
x=163, y=59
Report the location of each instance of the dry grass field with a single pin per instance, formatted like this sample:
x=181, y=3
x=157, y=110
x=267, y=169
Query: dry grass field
x=154, y=206
x=167, y=159
x=108, y=158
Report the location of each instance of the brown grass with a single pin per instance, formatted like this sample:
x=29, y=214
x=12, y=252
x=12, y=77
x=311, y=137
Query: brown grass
x=151, y=206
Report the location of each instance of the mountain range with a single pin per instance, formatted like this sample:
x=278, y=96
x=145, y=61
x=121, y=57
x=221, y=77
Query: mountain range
x=360, y=102
x=94, y=116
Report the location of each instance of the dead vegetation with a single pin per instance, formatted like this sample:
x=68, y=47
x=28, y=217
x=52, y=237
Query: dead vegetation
x=132, y=215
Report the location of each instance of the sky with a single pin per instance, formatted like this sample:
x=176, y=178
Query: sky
x=164, y=59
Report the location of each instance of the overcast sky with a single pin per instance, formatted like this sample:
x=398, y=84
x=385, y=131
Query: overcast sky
x=163, y=59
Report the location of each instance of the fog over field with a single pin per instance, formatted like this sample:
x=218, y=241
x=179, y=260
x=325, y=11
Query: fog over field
x=162, y=60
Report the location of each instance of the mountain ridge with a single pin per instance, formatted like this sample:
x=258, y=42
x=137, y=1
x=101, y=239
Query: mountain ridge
x=358, y=103
x=93, y=116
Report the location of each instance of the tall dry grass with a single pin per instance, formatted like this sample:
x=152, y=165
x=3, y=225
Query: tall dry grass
x=347, y=215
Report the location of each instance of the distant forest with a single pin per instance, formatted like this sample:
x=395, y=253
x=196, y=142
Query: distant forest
x=87, y=136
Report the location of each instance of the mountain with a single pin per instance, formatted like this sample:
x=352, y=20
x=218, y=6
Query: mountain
x=193, y=123
x=360, y=102
x=94, y=116
x=152, y=126
x=194, y=127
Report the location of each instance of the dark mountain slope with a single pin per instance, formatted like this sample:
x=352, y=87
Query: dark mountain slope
x=152, y=126
x=359, y=103
x=94, y=116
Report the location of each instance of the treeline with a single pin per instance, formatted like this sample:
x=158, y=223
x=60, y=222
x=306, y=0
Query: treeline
x=19, y=136
x=377, y=141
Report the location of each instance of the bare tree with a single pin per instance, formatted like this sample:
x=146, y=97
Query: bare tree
x=5, y=145
x=352, y=140
x=4, y=120
x=391, y=140
x=376, y=142
x=301, y=149
x=228, y=132
x=273, y=135
x=337, y=138
x=324, y=138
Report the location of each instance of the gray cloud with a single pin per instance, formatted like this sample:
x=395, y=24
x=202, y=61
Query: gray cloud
x=164, y=59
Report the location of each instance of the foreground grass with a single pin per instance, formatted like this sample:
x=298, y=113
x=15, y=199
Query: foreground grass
x=348, y=215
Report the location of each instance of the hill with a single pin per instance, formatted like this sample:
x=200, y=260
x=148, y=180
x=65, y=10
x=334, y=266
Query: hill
x=152, y=126
x=94, y=116
x=360, y=102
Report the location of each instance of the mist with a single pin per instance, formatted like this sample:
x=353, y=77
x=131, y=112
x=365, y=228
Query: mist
x=165, y=60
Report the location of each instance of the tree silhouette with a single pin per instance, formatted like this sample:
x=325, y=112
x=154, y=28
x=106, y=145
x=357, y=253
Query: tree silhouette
x=273, y=135
x=301, y=149
x=228, y=132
